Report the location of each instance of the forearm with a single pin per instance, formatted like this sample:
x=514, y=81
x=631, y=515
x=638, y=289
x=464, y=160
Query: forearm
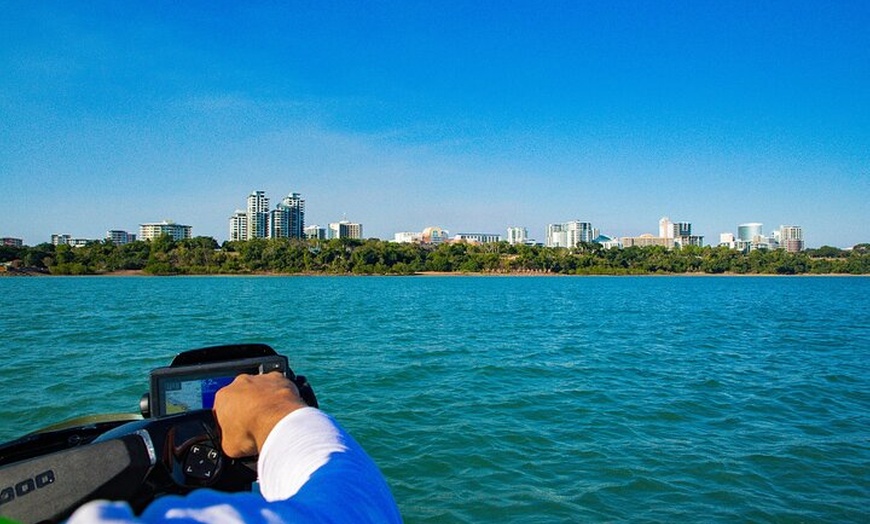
x=310, y=462
x=298, y=445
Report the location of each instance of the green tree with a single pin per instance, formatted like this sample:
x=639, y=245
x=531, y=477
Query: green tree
x=10, y=253
x=827, y=252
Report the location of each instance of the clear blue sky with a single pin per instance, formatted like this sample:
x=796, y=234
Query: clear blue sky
x=471, y=116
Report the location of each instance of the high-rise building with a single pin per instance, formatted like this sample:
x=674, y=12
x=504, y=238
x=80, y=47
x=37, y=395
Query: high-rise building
x=154, y=230
x=750, y=236
x=570, y=234
x=666, y=228
x=749, y=231
x=258, y=215
x=791, y=238
x=517, y=235
x=682, y=229
x=681, y=232
x=555, y=236
x=345, y=229
x=239, y=226
x=288, y=218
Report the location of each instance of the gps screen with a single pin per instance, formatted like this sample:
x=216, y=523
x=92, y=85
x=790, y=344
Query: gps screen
x=190, y=394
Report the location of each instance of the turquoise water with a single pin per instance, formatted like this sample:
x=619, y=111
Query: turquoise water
x=507, y=399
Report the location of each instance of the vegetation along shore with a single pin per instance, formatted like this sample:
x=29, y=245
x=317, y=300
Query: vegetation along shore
x=204, y=256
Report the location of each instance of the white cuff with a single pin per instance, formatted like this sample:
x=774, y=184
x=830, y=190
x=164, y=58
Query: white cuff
x=298, y=445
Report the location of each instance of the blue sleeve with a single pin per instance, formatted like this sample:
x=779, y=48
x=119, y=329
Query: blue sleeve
x=342, y=486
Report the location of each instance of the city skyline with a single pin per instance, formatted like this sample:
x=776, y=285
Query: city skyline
x=407, y=115
x=566, y=233
x=287, y=220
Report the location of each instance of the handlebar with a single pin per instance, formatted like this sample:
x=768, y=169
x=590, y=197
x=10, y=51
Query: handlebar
x=136, y=462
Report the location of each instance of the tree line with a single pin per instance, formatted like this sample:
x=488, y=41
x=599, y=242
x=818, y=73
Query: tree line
x=204, y=256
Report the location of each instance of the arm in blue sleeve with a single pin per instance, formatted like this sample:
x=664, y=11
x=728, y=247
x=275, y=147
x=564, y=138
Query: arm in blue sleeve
x=310, y=470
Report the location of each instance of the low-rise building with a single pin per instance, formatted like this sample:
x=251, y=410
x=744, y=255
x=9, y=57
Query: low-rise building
x=80, y=242
x=13, y=242
x=315, y=232
x=647, y=239
x=477, y=238
x=430, y=235
x=119, y=237
x=607, y=242
x=434, y=235
x=68, y=240
x=408, y=237
x=153, y=230
x=60, y=239
x=689, y=240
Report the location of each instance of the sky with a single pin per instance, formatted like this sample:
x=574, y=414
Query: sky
x=470, y=116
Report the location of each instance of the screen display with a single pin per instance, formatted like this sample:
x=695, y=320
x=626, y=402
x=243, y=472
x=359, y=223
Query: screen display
x=186, y=394
x=191, y=387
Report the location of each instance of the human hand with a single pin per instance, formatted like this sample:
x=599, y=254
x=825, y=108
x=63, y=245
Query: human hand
x=248, y=409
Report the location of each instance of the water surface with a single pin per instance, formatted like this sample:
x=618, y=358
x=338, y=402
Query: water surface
x=507, y=399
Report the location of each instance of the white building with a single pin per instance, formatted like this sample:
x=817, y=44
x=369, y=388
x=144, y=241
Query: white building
x=430, y=235
x=517, y=235
x=119, y=238
x=727, y=240
x=680, y=232
x=608, y=242
x=666, y=228
x=791, y=238
x=239, y=226
x=407, y=237
x=345, y=229
x=688, y=240
x=570, y=234
x=750, y=232
x=477, y=238
x=57, y=239
x=750, y=236
x=258, y=215
x=315, y=232
x=167, y=227
x=287, y=220
x=434, y=235
x=11, y=241
x=647, y=240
